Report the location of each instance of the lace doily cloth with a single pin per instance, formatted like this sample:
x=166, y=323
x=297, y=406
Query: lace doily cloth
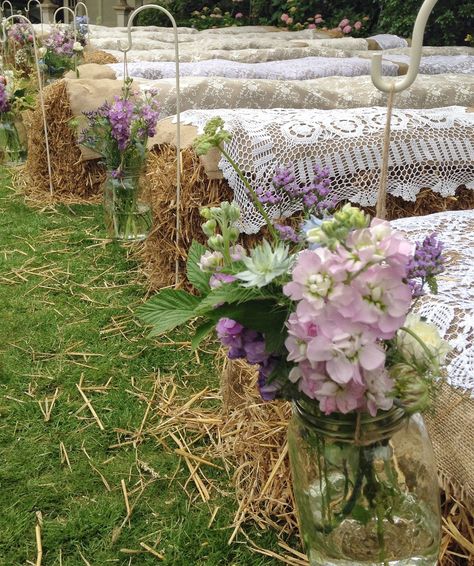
x=295, y=69
x=429, y=149
x=428, y=91
x=452, y=309
x=389, y=41
x=437, y=64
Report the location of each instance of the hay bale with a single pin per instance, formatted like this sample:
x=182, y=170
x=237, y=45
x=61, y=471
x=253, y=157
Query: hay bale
x=159, y=252
x=99, y=57
x=70, y=175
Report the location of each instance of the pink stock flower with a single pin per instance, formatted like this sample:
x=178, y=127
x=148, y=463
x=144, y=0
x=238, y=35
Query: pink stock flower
x=346, y=29
x=311, y=26
x=343, y=23
x=316, y=278
x=284, y=17
x=357, y=25
x=379, y=386
x=346, y=348
x=385, y=300
x=299, y=334
x=334, y=397
x=239, y=15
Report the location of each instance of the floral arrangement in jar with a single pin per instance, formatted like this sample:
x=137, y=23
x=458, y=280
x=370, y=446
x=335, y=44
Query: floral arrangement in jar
x=19, y=49
x=61, y=51
x=13, y=99
x=326, y=314
x=119, y=132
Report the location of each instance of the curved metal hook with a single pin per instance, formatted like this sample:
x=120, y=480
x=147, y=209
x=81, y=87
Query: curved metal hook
x=86, y=10
x=125, y=50
x=40, y=88
x=66, y=9
x=4, y=3
x=415, y=55
x=40, y=10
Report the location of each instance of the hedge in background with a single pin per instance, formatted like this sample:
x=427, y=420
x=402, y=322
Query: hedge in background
x=449, y=23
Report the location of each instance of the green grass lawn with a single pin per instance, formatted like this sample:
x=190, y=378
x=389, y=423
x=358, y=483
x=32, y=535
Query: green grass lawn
x=67, y=300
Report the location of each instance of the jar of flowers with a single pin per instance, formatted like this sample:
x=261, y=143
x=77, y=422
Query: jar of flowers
x=119, y=132
x=326, y=312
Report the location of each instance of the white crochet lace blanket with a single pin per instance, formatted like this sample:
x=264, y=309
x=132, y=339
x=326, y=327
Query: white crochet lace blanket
x=437, y=64
x=294, y=69
x=430, y=148
x=389, y=41
x=452, y=309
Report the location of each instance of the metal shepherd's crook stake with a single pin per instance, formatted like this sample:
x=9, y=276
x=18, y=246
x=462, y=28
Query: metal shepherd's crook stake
x=393, y=87
x=40, y=88
x=4, y=3
x=67, y=10
x=40, y=10
x=125, y=50
x=86, y=12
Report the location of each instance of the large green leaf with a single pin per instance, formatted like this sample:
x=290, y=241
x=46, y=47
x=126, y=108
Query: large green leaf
x=201, y=332
x=266, y=317
x=230, y=293
x=196, y=277
x=167, y=310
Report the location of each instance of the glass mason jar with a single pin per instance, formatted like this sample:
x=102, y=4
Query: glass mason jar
x=128, y=216
x=12, y=150
x=365, y=487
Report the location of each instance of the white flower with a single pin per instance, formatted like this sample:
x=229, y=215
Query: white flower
x=42, y=51
x=210, y=261
x=264, y=264
x=428, y=334
x=77, y=47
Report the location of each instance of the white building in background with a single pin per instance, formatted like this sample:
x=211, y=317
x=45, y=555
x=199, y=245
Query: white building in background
x=106, y=12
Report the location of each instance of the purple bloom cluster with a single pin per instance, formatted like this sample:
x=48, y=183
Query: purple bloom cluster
x=287, y=233
x=21, y=33
x=315, y=195
x=120, y=115
x=127, y=121
x=428, y=261
x=4, y=99
x=60, y=42
x=250, y=345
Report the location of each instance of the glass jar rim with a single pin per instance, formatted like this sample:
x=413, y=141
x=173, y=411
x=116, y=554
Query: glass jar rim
x=355, y=427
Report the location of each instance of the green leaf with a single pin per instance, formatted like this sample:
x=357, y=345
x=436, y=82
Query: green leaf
x=167, y=310
x=196, y=277
x=361, y=514
x=266, y=317
x=202, y=331
x=231, y=293
x=432, y=284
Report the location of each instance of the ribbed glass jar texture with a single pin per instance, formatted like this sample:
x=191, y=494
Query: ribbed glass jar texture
x=128, y=216
x=12, y=150
x=365, y=487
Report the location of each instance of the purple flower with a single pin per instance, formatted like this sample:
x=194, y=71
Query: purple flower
x=428, y=261
x=268, y=391
x=287, y=233
x=219, y=279
x=4, y=99
x=120, y=116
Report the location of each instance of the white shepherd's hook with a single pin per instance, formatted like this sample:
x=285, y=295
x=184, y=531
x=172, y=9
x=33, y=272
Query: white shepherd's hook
x=4, y=3
x=415, y=55
x=40, y=87
x=40, y=10
x=125, y=50
x=392, y=87
x=67, y=10
x=86, y=12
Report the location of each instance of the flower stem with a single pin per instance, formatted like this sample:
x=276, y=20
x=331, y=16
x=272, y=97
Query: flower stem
x=256, y=202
